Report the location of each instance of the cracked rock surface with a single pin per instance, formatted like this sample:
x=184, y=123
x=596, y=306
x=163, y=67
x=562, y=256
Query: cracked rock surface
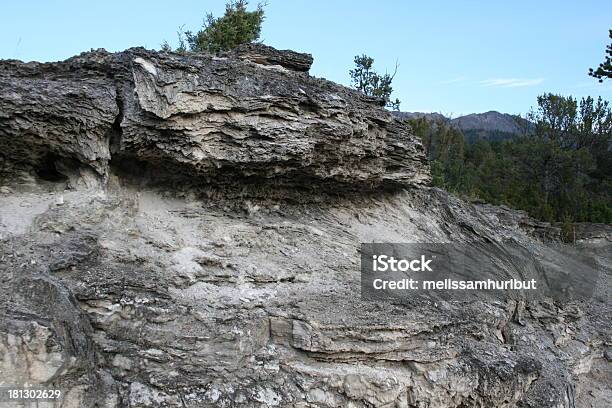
x=203, y=119
x=185, y=231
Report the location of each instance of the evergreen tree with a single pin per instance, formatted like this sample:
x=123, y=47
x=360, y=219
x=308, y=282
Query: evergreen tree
x=365, y=79
x=561, y=172
x=237, y=26
x=604, y=70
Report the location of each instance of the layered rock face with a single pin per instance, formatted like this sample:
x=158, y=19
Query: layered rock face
x=133, y=275
x=205, y=119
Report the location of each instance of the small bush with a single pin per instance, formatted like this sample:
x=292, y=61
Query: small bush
x=365, y=79
x=568, y=231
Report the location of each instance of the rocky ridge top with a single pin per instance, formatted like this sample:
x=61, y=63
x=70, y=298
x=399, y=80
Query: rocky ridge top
x=253, y=113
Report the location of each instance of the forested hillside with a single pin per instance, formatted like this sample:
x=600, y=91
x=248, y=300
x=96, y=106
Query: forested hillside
x=560, y=170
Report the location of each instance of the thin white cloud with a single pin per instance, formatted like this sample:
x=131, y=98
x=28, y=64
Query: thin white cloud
x=453, y=81
x=511, y=82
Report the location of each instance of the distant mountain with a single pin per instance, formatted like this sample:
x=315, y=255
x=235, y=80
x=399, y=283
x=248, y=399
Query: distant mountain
x=492, y=121
x=491, y=126
x=433, y=117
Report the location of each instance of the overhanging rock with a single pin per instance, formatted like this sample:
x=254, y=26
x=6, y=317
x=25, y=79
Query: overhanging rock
x=205, y=118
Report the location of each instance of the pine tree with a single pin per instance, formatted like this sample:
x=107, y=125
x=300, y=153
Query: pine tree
x=365, y=79
x=237, y=26
x=605, y=68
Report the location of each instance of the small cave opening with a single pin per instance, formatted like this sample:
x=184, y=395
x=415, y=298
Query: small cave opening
x=47, y=170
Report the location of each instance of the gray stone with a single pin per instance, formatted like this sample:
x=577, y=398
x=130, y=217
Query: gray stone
x=180, y=279
x=202, y=119
x=265, y=55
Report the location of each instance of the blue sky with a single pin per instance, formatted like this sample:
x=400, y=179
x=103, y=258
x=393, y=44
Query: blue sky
x=454, y=57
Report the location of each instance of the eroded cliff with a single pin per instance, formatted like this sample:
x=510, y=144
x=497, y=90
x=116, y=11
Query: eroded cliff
x=204, y=119
x=184, y=231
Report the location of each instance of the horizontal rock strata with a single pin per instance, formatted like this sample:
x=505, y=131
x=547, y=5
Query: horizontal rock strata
x=208, y=119
x=123, y=294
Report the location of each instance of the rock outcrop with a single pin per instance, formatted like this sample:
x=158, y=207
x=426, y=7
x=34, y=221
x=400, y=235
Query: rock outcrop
x=265, y=55
x=250, y=115
x=127, y=282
